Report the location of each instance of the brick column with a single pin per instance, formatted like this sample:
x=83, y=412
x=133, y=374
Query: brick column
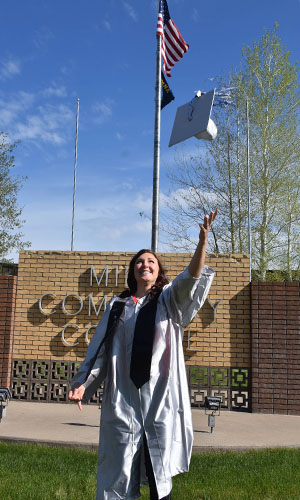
x=8, y=288
x=276, y=347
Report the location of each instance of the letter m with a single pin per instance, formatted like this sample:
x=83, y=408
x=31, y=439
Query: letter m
x=98, y=281
x=92, y=305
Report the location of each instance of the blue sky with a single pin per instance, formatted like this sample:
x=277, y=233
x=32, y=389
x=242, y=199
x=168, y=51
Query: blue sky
x=104, y=53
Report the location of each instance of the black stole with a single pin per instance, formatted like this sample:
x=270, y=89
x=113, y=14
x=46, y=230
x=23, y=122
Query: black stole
x=143, y=337
x=142, y=345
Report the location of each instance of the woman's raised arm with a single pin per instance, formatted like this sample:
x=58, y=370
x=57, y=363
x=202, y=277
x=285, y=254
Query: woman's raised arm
x=197, y=262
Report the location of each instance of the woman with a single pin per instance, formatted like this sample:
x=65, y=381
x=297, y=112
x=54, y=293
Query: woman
x=146, y=424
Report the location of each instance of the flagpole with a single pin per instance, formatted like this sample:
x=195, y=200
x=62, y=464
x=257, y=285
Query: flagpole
x=156, y=159
x=75, y=166
x=249, y=190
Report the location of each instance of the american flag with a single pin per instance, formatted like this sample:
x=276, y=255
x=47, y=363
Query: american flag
x=173, y=45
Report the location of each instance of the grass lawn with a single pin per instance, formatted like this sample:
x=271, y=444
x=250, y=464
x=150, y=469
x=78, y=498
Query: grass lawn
x=33, y=472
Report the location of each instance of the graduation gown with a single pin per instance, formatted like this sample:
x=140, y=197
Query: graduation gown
x=160, y=408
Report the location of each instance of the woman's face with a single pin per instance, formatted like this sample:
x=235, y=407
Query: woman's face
x=146, y=269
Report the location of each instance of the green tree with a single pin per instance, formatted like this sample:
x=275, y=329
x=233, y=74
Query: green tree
x=10, y=212
x=269, y=82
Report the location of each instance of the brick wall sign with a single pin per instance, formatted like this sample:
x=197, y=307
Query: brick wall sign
x=61, y=297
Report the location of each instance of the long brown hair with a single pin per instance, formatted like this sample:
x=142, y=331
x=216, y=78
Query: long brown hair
x=161, y=280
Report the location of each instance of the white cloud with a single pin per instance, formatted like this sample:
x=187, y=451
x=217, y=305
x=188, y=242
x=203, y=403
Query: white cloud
x=130, y=11
x=6, y=117
x=13, y=106
x=143, y=203
x=34, y=129
x=9, y=69
x=102, y=111
x=48, y=125
x=25, y=120
x=54, y=90
x=120, y=137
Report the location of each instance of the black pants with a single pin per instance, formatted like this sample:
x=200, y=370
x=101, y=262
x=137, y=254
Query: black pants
x=150, y=475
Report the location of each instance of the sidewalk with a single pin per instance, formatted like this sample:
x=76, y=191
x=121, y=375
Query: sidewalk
x=64, y=425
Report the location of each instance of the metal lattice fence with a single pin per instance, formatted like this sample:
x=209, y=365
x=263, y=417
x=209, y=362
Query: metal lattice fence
x=48, y=381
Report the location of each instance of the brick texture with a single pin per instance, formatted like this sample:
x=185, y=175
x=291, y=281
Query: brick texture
x=276, y=347
x=8, y=288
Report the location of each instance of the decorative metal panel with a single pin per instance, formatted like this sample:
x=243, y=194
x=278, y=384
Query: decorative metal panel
x=45, y=381
x=230, y=383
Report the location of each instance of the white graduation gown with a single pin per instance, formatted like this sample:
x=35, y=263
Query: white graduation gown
x=160, y=409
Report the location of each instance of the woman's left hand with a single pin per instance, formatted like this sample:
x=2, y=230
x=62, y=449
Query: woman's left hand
x=205, y=227
x=198, y=259
x=76, y=395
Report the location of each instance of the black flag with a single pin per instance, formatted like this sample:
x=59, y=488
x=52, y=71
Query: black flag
x=167, y=95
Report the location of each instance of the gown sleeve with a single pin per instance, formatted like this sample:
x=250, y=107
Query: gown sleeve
x=93, y=369
x=186, y=295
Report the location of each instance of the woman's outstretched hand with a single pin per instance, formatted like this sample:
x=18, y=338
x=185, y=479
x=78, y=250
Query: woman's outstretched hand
x=76, y=395
x=205, y=227
x=197, y=261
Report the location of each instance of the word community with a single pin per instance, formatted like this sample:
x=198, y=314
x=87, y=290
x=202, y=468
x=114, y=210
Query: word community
x=75, y=297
